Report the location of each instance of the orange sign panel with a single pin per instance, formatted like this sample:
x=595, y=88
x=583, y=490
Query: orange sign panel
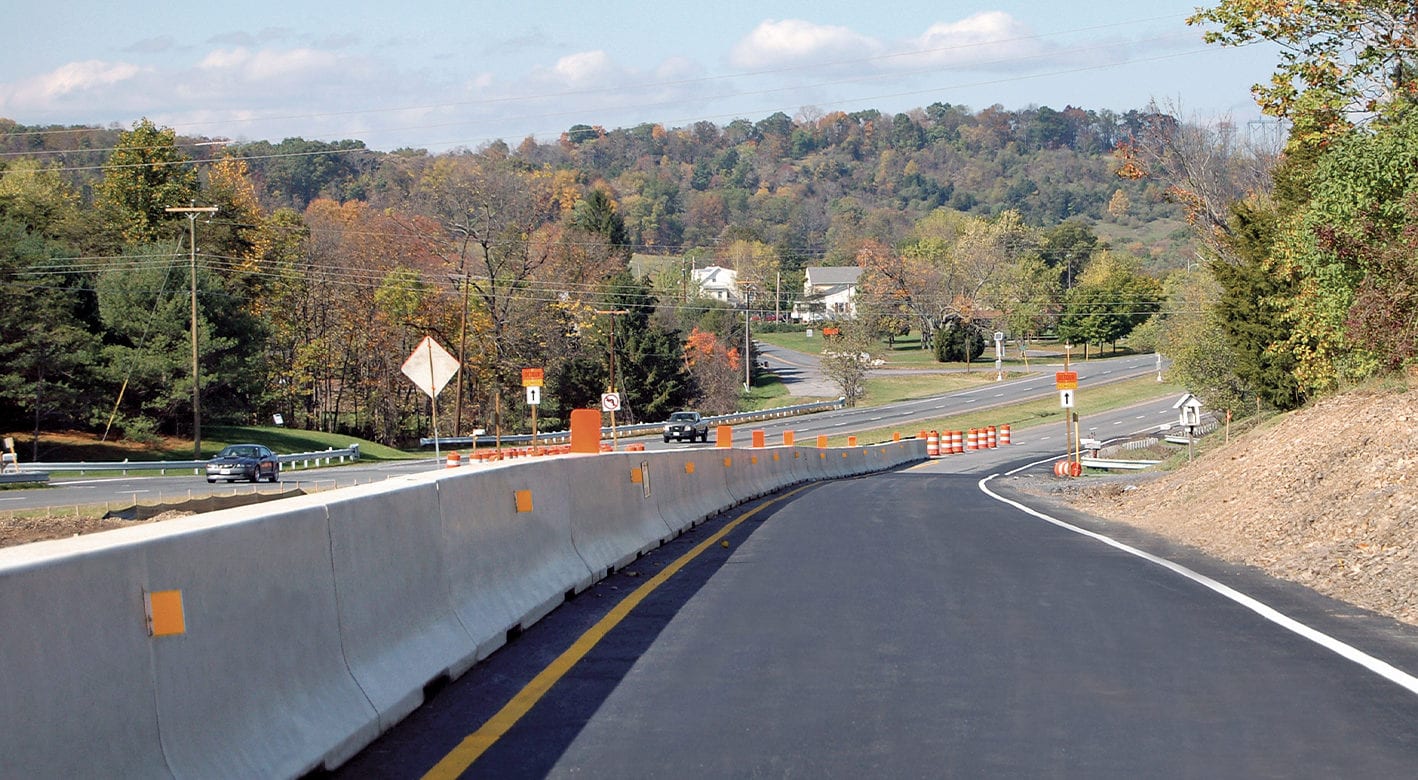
x=1066, y=380
x=531, y=377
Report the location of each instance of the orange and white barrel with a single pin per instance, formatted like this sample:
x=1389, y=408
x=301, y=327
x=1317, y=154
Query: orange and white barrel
x=1004, y=436
x=453, y=461
x=957, y=442
x=991, y=438
x=972, y=440
x=933, y=444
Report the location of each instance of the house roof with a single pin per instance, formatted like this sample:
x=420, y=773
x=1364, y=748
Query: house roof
x=715, y=276
x=824, y=276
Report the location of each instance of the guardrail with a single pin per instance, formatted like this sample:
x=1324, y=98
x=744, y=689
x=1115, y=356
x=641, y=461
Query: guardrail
x=304, y=459
x=557, y=437
x=1114, y=463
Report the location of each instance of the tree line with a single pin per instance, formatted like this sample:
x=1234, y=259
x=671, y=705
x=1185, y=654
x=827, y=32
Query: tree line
x=1309, y=282
x=326, y=263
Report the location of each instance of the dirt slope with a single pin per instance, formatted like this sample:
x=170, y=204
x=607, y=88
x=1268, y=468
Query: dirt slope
x=1326, y=496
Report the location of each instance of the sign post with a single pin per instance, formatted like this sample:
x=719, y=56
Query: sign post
x=999, y=356
x=430, y=366
x=610, y=402
x=532, y=380
x=1066, y=381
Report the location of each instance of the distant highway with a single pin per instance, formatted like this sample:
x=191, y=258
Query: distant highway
x=123, y=491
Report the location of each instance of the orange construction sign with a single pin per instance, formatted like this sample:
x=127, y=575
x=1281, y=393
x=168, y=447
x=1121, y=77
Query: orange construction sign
x=1066, y=380
x=531, y=377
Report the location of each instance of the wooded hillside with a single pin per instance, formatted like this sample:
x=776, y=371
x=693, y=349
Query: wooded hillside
x=326, y=262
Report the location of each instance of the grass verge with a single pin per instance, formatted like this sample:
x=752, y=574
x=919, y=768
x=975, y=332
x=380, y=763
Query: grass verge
x=1102, y=398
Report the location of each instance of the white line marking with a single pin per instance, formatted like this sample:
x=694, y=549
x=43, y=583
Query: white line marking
x=1382, y=668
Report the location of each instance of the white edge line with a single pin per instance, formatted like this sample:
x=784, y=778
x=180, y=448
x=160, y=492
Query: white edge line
x=1382, y=668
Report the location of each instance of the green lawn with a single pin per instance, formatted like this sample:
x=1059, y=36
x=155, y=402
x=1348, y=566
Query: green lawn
x=1041, y=412
x=890, y=389
x=286, y=440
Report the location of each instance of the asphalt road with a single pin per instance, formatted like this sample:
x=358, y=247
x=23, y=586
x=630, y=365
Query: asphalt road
x=912, y=625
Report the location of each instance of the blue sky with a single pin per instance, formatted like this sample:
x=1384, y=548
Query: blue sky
x=441, y=75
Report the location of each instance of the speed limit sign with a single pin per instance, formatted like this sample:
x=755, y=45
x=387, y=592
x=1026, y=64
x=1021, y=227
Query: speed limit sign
x=610, y=402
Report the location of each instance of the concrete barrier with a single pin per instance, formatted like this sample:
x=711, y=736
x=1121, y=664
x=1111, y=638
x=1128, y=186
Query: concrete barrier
x=690, y=488
x=257, y=685
x=758, y=469
x=508, y=568
x=76, y=696
x=397, y=624
x=806, y=465
x=742, y=483
x=614, y=517
x=305, y=627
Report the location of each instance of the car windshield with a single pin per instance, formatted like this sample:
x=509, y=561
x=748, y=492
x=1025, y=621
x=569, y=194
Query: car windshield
x=683, y=417
x=237, y=452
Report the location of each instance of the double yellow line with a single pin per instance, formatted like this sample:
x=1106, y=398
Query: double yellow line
x=475, y=744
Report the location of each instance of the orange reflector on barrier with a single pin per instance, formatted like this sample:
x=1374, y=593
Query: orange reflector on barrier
x=165, y=614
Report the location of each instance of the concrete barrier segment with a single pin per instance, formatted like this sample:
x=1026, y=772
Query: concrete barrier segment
x=258, y=685
x=690, y=487
x=508, y=569
x=397, y=622
x=614, y=519
x=76, y=685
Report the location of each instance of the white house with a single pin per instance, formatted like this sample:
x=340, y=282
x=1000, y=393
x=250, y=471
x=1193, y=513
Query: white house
x=829, y=293
x=718, y=283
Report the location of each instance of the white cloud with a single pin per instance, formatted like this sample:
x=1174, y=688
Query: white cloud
x=79, y=76
x=986, y=39
x=269, y=65
x=587, y=68
x=71, y=80
x=795, y=42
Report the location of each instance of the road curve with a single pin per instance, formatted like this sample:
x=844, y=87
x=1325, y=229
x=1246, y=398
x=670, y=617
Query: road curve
x=908, y=624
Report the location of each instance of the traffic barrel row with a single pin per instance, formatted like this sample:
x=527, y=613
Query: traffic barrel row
x=956, y=442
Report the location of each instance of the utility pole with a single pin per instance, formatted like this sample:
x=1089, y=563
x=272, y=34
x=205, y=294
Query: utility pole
x=612, y=313
x=192, y=212
x=747, y=345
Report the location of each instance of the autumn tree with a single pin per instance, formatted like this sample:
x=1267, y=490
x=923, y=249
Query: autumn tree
x=757, y=265
x=145, y=175
x=1336, y=59
x=488, y=210
x=1110, y=301
x=716, y=371
x=847, y=359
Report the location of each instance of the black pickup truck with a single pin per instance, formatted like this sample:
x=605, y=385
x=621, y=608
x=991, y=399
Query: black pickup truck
x=686, y=425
